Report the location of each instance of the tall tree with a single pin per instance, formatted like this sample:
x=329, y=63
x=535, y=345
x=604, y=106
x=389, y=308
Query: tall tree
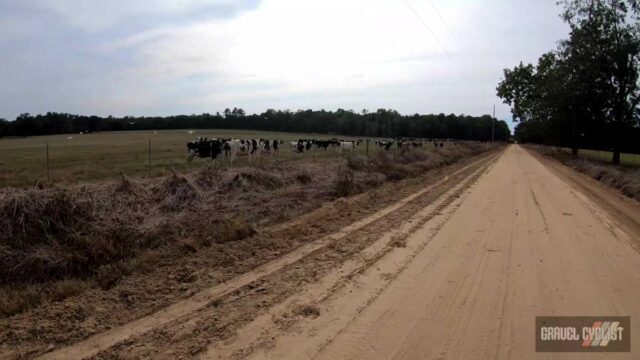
x=586, y=93
x=604, y=51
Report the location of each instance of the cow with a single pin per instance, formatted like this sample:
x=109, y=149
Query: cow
x=323, y=144
x=268, y=146
x=385, y=144
x=204, y=147
x=234, y=147
x=309, y=144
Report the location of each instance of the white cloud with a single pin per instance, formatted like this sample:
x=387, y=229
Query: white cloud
x=300, y=47
x=295, y=54
x=98, y=15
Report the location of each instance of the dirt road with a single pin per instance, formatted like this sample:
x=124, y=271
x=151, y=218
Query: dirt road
x=458, y=270
x=523, y=243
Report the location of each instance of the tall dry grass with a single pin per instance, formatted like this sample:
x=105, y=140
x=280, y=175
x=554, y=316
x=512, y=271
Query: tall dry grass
x=54, y=241
x=361, y=172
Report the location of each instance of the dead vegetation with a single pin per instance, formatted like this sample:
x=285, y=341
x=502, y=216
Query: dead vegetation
x=57, y=241
x=362, y=173
x=624, y=178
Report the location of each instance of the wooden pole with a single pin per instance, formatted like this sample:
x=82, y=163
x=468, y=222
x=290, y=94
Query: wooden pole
x=493, y=123
x=149, y=160
x=48, y=168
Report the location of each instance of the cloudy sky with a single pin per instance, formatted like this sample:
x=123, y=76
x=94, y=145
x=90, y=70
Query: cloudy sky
x=161, y=57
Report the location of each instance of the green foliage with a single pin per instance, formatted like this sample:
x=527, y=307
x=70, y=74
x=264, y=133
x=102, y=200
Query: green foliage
x=586, y=93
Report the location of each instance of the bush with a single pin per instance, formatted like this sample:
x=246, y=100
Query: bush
x=344, y=184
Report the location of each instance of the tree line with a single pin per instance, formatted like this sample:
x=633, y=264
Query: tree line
x=381, y=123
x=585, y=93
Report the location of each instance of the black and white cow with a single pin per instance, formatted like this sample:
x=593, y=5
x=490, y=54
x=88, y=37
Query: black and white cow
x=268, y=146
x=204, y=147
x=234, y=147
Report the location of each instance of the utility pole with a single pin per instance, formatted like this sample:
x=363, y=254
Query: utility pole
x=493, y=123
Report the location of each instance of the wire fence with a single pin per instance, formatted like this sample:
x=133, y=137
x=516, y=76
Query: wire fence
x=67, y=162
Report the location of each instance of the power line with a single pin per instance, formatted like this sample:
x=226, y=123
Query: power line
x=424, y=23
x=446, y=25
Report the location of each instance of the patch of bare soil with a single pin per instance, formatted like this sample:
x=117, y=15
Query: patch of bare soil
x=129, y=248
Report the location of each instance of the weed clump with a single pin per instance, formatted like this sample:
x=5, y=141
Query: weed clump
x=344, y=183
x=178, y=193
x=251, y=179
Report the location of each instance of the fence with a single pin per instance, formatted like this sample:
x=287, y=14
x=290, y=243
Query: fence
x=25, y=162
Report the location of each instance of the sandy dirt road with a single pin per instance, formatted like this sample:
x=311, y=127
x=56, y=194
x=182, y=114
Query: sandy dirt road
x=456, y=270
x=519, y=243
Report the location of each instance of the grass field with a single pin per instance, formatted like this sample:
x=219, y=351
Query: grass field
x=98, y=156
x=625, y=159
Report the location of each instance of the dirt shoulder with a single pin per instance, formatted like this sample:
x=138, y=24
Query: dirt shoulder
x=624, y=210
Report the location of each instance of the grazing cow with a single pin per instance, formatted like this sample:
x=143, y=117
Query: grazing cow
x=323, y=144
x=385, y=144
x=236, y=146
x=203, y=147
x=309, y=144
x=275, y=145
x=268, y=146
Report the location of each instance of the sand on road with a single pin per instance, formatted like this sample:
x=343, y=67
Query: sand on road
x=522, y=243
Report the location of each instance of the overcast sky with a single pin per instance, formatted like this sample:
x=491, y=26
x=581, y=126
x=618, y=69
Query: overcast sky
x=163, y=57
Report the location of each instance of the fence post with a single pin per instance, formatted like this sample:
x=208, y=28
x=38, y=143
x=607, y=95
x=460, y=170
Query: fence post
x=48, y=169
x=149, y=160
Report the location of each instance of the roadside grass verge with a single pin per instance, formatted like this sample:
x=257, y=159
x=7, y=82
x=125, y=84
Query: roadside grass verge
x=55, y=242
x=623, y=178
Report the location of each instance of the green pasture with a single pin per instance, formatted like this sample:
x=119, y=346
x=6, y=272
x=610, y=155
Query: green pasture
x=625, y=159
x=75, y=158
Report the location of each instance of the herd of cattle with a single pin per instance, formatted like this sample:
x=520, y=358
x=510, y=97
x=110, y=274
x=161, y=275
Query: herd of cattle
x=212, y=148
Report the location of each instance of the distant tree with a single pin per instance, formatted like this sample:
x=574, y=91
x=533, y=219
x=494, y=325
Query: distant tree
x=5, y=128
x=383, y=123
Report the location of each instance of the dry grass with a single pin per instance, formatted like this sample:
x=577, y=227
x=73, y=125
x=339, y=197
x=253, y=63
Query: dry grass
x=624, y=178
x=14, y=299
x=60, y=240
x=345, y=183
x=411, y=162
